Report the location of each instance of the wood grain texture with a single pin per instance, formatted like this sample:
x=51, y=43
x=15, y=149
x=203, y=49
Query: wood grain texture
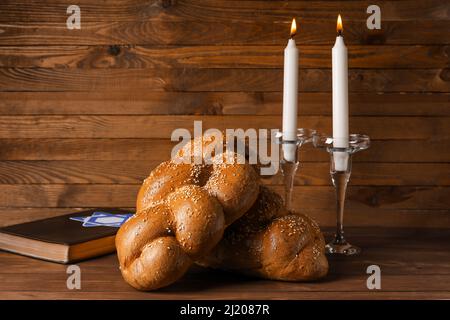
x=217, y=103
x=125, y=56
x=393, y=128
x=135, y=171
x=156, y=79
x=422, y=273
x=86, y=114
x=409, y=151
x=221, y=10
x=221, y=32
x=311, y=197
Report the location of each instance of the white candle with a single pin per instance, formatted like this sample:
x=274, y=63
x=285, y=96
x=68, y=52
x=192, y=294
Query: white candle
x=290, y=93
x=340, y=99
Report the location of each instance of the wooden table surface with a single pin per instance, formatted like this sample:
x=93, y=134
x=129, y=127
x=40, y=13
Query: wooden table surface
x=415, y=264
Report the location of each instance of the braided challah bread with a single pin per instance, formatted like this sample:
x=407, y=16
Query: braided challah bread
x=270, y=242
x=235, y=186
x=182, y=211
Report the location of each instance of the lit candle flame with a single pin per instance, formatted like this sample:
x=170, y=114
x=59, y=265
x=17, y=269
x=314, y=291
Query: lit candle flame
x=293, y=28
x=339, y=26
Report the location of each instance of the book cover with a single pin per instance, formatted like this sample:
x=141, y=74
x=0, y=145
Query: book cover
x=65, y=238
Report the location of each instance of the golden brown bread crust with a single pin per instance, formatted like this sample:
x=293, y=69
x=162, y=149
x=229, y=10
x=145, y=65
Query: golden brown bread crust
x=157, y=245
x=236, y=186
x=164, y=179
x=272, y=243
x=182, y=211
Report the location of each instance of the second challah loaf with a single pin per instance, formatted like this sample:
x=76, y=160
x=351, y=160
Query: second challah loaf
x=272, y=243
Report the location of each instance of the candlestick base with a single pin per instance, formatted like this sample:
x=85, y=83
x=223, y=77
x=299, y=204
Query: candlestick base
x=340, y=172
x=338, y=246
x=289, y=162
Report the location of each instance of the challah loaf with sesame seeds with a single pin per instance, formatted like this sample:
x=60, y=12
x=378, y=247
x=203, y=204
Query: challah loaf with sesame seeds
x=156, y=246
x=182, y=211
x=272, y=243
x=236, y=186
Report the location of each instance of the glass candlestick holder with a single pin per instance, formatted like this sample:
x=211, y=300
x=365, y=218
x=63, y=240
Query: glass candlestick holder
x=340, y=171
x=289, y=162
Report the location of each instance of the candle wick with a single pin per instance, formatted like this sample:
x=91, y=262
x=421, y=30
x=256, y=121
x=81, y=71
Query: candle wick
x=339, y=33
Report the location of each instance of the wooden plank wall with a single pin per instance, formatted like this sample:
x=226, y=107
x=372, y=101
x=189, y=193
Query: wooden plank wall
x=86, y=114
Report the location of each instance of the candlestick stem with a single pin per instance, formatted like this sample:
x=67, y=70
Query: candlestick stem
x=288, y=169
x=290, y=166
x=340, y=181
x=340, y=178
